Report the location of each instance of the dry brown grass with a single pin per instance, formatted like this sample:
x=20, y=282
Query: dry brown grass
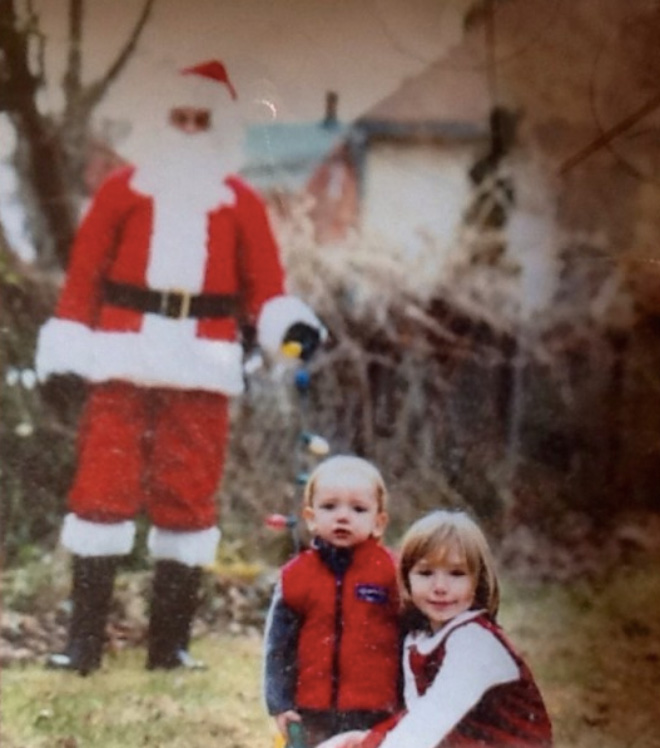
x=594, y=646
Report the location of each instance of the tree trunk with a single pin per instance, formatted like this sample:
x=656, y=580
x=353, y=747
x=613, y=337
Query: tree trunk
x=51, y=152
x=49, y=203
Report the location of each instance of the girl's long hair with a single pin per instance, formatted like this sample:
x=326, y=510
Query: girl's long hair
x=434, y=536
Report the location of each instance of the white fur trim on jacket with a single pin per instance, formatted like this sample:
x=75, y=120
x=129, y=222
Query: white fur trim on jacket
x=85, y=538
x=165, y=353
x=276, y=317
x=196, y=548
x=63, y=347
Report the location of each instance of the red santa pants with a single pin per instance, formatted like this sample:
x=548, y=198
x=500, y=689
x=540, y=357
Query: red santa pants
x=154, y=449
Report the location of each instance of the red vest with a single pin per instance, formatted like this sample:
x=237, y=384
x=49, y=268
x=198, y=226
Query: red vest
x=349, y=646
x=511, y=714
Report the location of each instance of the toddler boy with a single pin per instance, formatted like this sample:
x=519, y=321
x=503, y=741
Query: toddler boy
x=332, y=634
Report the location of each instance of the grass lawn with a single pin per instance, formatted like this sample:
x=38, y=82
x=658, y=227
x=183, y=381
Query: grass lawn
x=594, y=647
x=595, y=650
x=124, y=706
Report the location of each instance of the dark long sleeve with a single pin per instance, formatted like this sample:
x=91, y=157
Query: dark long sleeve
x=280, y=661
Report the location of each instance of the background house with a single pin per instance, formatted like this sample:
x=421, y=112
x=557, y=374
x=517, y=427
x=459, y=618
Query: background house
x=405, y=162
x=496, y=159
x=281, y=156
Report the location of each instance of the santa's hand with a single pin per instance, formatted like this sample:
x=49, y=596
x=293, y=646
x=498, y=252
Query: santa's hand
x=301, y=341
x=64, y=393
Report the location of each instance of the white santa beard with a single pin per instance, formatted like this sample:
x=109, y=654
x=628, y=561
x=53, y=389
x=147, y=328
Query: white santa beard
x=184, y=174
x=172, y=162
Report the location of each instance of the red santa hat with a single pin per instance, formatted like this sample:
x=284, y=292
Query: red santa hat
x=212, y=70
x=205, y=85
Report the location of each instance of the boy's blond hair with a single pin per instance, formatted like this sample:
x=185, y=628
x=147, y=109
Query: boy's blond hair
x=347, y=464
x=434, y=536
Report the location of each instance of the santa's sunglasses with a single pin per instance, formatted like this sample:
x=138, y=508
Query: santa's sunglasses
x=190, y=119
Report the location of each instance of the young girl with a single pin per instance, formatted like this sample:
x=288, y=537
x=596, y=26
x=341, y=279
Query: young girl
x=464, y=683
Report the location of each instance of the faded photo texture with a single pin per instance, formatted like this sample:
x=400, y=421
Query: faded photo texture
x=421, y=232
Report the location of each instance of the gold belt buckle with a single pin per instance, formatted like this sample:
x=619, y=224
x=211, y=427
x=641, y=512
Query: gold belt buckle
x=184, y=311
x=185, y=298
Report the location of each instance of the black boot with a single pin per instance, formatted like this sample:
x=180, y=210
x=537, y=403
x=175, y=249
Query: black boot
x=93, y=582
x=175, y=596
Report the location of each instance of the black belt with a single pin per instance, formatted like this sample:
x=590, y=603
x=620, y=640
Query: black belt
x=175, y=304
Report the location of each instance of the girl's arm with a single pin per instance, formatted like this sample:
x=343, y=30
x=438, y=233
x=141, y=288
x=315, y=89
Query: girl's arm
x=474, y=662
x=344, y=740
x=281, y=647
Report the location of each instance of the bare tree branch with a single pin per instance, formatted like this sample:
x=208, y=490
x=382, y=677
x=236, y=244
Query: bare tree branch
x=609, y=135
x=96, y=90
x=18, y=82
x=72, y=76
x=51, y=148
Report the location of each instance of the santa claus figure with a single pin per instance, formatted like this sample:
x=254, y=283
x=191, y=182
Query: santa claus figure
x=173, y=256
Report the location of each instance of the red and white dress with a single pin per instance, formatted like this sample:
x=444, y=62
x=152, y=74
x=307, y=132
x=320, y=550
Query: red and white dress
x=154, y=430
x=465, y=687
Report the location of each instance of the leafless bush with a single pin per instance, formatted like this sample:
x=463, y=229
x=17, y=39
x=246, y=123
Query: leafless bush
x=429, y=373
x=411, y=378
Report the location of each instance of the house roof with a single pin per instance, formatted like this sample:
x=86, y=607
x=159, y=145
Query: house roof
x=283, y=155
x=450, y=96
x=448, y=100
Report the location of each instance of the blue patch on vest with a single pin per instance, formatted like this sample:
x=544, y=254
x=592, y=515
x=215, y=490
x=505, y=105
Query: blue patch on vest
x=371, y=593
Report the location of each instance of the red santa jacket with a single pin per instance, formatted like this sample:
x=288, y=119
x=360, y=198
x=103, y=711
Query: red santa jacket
x=233, y=254
x=348, y=653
